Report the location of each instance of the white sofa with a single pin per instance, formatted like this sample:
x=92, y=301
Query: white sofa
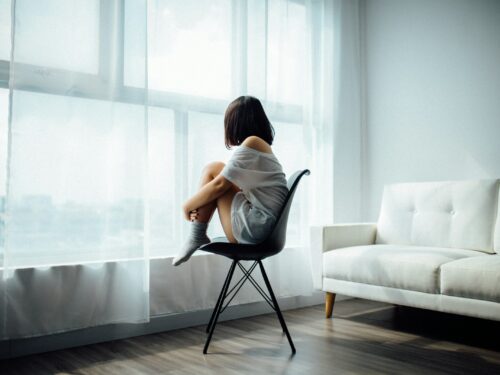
x=434, y=246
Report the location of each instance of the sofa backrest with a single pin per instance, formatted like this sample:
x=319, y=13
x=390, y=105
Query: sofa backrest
x=456, y=214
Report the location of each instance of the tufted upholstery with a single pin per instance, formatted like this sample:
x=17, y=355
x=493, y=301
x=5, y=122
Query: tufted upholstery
x=452, y=214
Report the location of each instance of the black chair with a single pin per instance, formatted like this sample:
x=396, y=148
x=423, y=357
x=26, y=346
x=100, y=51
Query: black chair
x=274, y=243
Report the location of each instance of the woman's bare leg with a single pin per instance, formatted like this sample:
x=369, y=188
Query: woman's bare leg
x=223, y=203
x=201, y=218
x=210, y=171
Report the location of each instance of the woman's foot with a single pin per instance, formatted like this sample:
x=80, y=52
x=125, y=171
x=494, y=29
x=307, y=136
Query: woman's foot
x=197, y=238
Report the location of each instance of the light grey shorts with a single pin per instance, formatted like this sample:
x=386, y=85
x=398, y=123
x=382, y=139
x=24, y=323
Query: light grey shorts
x=250, y=225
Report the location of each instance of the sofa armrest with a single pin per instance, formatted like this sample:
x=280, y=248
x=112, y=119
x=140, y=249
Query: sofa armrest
x=330, y=237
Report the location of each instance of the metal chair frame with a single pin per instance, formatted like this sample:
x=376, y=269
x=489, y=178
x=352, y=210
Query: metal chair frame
x=242, y=252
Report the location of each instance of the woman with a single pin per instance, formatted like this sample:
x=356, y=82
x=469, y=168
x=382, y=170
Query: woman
x=248, y=192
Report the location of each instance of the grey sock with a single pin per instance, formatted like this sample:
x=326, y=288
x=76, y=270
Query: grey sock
x=197, y=238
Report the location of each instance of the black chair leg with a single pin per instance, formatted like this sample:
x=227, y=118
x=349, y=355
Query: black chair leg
x=218, y=308
x=219, y=301
x=275, y=302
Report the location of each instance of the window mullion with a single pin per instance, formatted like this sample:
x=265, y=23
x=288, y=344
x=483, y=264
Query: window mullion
x=239, y=47
x=111, y=42
x=180, y=177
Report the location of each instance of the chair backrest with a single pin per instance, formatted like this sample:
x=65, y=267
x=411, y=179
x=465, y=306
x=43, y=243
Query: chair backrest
x=275, y=242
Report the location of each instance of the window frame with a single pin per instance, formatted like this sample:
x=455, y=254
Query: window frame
x=46, y=80
x=33, y=78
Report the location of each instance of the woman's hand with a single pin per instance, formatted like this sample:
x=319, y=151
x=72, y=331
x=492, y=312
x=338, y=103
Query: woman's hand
x=193, y=215
x=208, y=193
x=190, y=215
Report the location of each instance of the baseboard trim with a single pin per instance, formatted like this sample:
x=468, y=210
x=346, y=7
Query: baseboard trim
x=94, y=335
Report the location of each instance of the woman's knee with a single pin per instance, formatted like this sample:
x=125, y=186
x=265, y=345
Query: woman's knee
x=213, y=168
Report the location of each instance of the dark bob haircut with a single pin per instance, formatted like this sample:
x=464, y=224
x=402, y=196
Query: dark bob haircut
x=245, y=117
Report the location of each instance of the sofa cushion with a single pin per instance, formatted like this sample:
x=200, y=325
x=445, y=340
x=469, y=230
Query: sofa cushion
x=477, y=278
x=404, y=267
x=455, y=214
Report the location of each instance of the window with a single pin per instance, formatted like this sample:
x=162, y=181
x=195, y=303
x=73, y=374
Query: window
x=290, y=150
x=5, y=25
x=190, y=48
x=285, y=49
x=53, y=32
x=195, y=67
x=97, y=206
x=4, y=110
x=163, y=189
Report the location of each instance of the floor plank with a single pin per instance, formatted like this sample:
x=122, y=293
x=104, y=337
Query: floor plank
x=364, y=337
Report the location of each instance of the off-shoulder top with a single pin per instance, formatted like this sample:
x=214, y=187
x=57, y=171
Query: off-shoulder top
x=260, y=177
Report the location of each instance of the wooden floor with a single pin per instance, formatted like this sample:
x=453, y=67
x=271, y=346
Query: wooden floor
x=363, y=338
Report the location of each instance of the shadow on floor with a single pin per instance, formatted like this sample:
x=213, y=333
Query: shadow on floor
x=435, y=325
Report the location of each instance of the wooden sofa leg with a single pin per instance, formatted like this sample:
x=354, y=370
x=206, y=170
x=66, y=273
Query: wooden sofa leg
x=329, y=301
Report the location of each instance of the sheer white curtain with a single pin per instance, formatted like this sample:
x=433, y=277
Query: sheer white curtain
x=75, y=237
x=100, y=88
x=279, y=51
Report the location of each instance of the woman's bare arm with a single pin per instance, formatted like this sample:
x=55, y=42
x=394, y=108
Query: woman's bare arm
x=219, y=185
x=208, y=193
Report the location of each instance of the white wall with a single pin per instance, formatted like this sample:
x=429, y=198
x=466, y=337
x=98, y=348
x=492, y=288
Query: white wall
x=347, y=109
x=432, y=93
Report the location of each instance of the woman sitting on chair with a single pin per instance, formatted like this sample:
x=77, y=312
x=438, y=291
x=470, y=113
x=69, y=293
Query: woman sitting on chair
x=248, y=192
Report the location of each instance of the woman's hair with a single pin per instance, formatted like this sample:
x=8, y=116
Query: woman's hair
x=245, y=117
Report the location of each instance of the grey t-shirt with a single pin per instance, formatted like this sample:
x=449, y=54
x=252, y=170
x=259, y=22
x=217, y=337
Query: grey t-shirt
x=260, y=177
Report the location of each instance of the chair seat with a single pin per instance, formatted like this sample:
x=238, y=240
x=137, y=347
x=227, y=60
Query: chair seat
x=221, y=246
